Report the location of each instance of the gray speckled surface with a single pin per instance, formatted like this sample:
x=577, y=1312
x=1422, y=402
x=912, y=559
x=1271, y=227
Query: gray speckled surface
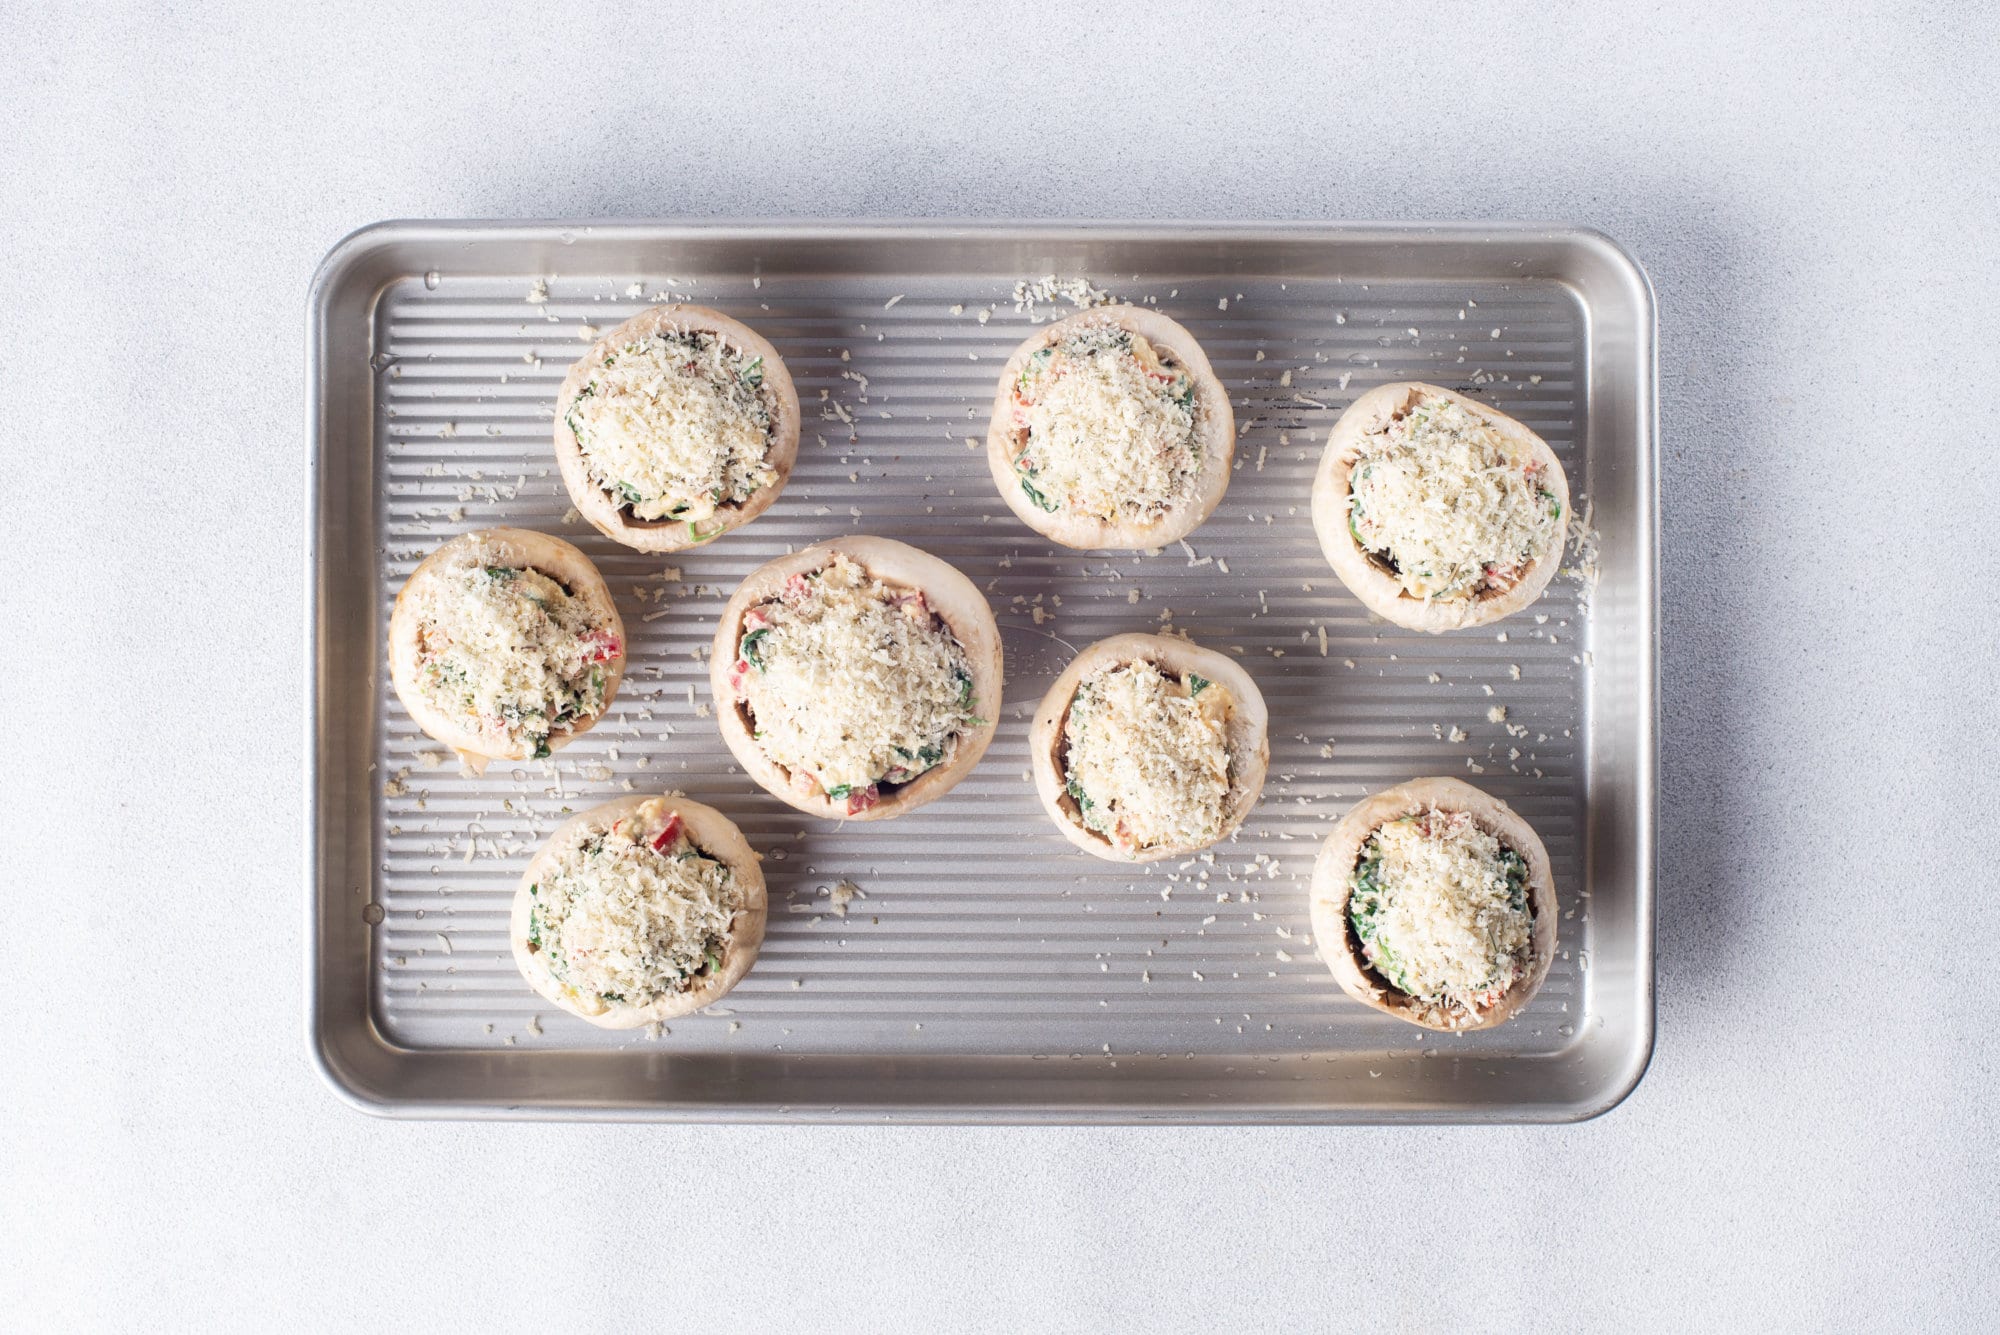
x=1811, y=190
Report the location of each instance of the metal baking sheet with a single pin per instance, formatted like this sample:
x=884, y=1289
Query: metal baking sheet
x=990, y=973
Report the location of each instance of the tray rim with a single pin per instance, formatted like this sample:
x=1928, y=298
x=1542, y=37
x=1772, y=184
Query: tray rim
x=351, y=251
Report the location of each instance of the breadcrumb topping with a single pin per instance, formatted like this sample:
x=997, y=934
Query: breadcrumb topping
x=1441, y=909
x=634, y=911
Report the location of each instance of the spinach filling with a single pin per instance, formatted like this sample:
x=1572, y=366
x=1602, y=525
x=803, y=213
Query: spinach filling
x=1084, y=806
x=544, y=945
x=1094, y=818
x=1369, y=901
x=1041, y=501
x=1364, y=910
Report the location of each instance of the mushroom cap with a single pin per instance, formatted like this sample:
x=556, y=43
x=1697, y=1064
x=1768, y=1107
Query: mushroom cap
x=1248, y=741
x=948, y=593
x=1375, y=587
x=1215, y=427
x=716, y=834
x=598, y=506
x=1332, y=885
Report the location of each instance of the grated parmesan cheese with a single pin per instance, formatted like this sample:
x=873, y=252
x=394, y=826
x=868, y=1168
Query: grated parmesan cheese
x=620, y=921
x=1049, y=289
x=508, y=652
x=676, y=426
x=852, y=682
x=843, y=893
x=1449, y=505
x=1440, y=907
x=1105, y=426
x=1147, y=756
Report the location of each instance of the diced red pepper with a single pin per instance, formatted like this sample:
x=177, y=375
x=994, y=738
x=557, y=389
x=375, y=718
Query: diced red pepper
x=737, y=671
x=795, y=587
x=669, y=834
x=863, y=798
x=602, y=647
x=755, y=619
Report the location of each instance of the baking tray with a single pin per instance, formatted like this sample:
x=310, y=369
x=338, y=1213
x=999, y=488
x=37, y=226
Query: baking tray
x=991, y=973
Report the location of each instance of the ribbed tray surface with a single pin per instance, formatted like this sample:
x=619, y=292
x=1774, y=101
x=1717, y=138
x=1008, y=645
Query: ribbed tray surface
x=981, y=929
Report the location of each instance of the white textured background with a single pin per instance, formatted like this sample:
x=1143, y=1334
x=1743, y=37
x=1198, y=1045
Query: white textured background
x=1812, y=188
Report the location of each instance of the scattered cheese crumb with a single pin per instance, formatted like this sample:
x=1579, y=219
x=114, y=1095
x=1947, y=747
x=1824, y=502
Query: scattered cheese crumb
x=841, y=893
x=1049, y=289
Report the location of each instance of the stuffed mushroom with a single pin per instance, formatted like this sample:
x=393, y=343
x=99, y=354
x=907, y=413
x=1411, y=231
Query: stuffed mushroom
x=638, y=911
x=1149, y=747
x=1110, y=430
x=676, y=427
x=1434, y=903
x=857, y=678
x=1437, y=511
x=505, y=645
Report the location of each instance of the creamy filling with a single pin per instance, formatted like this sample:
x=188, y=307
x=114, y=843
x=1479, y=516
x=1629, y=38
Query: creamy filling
x=1440, y=908
x=508, y=652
